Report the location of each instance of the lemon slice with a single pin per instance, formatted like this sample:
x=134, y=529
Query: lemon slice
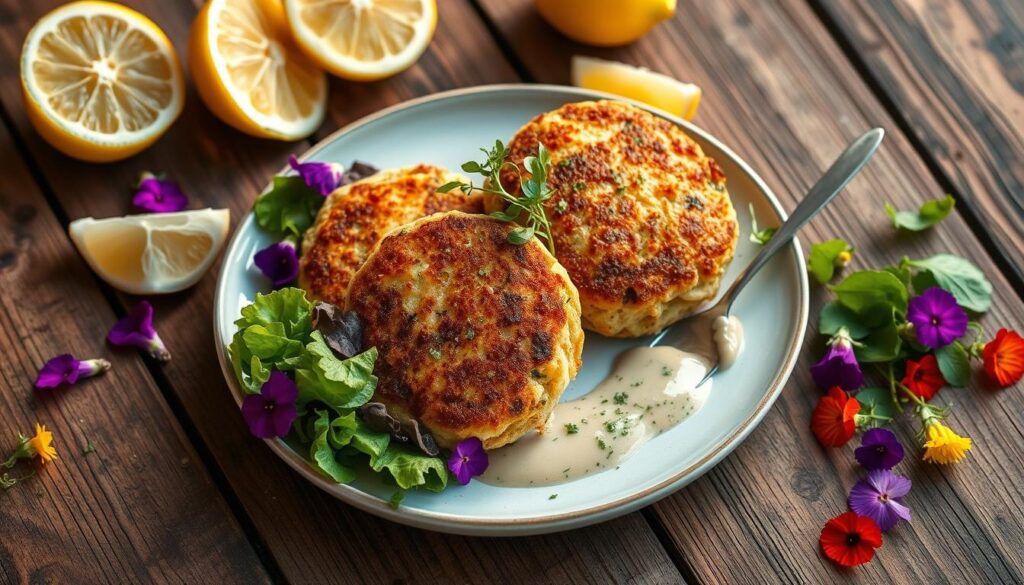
x=152, y=253
x=100, y=81
x=363, y=39
x=249, y=72
x=642, y=85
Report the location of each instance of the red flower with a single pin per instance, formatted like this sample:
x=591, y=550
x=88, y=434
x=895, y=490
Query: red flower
x=924, y=377
x=850, y=540
x=833, y=418
x=1004, y=358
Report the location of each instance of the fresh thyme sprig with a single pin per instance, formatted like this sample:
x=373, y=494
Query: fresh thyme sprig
x=535, y=191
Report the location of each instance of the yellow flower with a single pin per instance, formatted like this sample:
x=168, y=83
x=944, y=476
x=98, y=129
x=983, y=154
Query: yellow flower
x=944, y=446
x=42, y=444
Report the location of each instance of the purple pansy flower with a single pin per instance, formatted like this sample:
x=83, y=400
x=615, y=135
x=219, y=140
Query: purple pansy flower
x=136, y=329
x=468, y=459
x=839, y=366
x=938, y=320
x=279, y=262
x=879, y=449
x=270, y=413
x=322, y=177
x=157, y=195
x=877, y=496
x=65, y=369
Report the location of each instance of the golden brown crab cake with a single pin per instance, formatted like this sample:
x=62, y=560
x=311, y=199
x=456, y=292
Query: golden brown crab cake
x=476, y=337
x=357, y=215
x=641, y=218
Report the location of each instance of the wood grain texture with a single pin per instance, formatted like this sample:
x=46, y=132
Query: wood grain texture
x=308, y=536
x=954, y=72
x=140, y=507
x=780, y=92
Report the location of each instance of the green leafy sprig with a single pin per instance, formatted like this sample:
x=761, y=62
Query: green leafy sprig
x=528, y=207
x=929, y=214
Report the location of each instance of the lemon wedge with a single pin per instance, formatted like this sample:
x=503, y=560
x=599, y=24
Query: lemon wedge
x=100, y=81
x=152, y=253
x=642, y=85
x=605, y=23
x=363, y=39
x=249, y=72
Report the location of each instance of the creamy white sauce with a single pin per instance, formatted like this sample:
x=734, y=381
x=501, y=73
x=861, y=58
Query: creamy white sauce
x=650, y=390
x=729, y=339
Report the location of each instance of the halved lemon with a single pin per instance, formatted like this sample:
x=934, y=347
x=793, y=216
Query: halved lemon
x=152, y=253
x=363, y=40
x=249, y=72
x=643, y=85
x=100, y=81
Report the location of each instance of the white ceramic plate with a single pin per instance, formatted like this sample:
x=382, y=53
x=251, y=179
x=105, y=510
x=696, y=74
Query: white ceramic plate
x=448, y=129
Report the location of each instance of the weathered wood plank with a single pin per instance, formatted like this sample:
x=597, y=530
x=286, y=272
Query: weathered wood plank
x=141, y=507
x=954, y=72
x=312, y=537
x=779, y=91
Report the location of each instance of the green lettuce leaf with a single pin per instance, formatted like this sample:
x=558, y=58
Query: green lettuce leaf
x=339, y=384
x=287, y=306
x=929, y=214
x=412, y=469
x=272, y=332
x=289, y=208
x=322, y=452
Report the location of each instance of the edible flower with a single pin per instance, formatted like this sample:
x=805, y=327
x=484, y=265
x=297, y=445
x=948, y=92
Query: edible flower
x=136, y=329
x=65, y=369
x=468, y=460
x=40, y=444
x=944, y=446
x=850, y=539
x=323, y=178
x=271, y=413
x=278, y=262
x=938, y=319
x=877, y=496
x=839, y=366
x=833, y=421
x=923, y=377
x=158, y=195
x=1004, y=358
x=879, y=449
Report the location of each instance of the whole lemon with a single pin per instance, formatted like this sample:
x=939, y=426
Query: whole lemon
x=605, y=23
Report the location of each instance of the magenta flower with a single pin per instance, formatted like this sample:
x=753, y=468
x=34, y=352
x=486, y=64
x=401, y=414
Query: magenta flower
x=271, y=413
x=877, y=496
x=279, y=262
x=157, y=195
x=65, y=369
x=324, y=178
x=468, y=460
x=136, y=329
x=938, y=320
x=879, y=449
x=839, y=366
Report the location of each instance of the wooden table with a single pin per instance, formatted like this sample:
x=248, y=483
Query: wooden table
x=178, y=491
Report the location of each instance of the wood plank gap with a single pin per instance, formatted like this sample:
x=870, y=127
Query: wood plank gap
x=665, y=539
x=995, y=250
x=209, y=463
x=506, y=48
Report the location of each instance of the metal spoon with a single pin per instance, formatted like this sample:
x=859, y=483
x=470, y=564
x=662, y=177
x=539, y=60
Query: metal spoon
x=694, y=333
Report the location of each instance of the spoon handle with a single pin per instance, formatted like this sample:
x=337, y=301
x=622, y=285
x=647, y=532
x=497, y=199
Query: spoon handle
x=828, y=186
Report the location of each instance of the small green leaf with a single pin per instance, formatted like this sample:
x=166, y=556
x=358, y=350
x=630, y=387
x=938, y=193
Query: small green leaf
x=824, y=258
x=834, y=316
x=954, y=364
x=448, y=187
x=757, y=236
x=881, y=345
x=877, y=402
x=865, y=290
x=929, y=214
x=288, y=208
x=521, y=235
x=471, y=167
x=958, y=276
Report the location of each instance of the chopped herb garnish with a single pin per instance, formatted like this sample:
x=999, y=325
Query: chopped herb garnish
x=620, y=397
x=561, y=206
x=470, y=334
x=481, y=272
x=571, y=428
x=579, y=186
x=601, y=444
x=666, y=371
x=552, y=496
x=435, y=353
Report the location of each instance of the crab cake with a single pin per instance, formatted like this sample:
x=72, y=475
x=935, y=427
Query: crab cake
x=640, y=216
x=477, y=337
x=357, y=215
